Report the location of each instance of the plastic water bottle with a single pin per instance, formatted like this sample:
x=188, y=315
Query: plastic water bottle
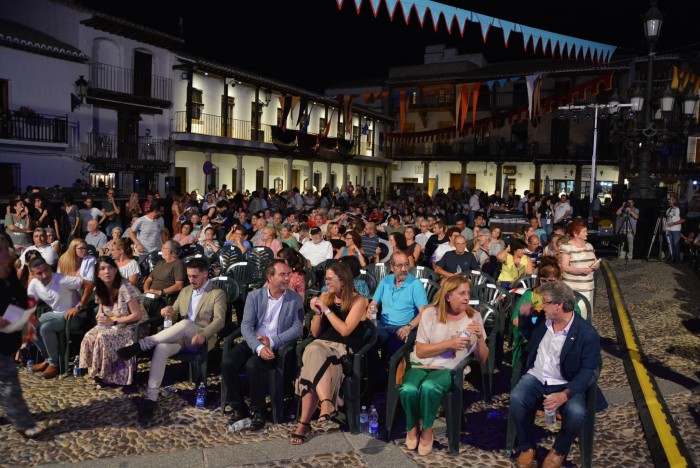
x=373, y=311
x=76, y=367
x=373, y=422
x=167, y=391
x=201, y=396
x=240, y=425
x=364, y=420
x=459, y=269
x=550, y=417
x=168, y=321
x=30, y=363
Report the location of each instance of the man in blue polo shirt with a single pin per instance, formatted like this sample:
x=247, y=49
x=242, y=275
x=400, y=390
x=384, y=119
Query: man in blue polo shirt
x=402, y=297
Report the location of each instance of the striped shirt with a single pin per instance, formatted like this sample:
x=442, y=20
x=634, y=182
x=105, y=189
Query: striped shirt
x=579, y=258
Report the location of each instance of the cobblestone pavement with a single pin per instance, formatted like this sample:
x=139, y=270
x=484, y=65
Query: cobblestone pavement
x=99, y=427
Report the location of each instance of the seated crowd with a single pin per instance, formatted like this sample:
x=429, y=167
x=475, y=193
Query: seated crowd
x=348, y=233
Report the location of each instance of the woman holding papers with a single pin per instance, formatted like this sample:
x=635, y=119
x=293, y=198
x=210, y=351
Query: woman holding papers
x=449, y=330
x=13, y=302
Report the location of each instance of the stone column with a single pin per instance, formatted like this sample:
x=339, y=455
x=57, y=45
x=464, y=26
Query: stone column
x=499, y=176
x=239, y=173
x=577, y=180
x=266, y=172
x=208, y=179
x=345, y=177
x=538, y=178
x=290, y=167
x=311, y=174
x=328, y=174
x=426, y=175
x=465, y=181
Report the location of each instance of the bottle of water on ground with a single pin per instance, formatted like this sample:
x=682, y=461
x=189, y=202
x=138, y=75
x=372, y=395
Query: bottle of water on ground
x=76, y=367
x=364, y=420
x=201, y=396
x=373, y=422
x=240, y=425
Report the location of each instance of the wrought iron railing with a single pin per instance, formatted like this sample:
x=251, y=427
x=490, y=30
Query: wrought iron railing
x=123, y=80
x=30, y=126
x=213, y=125
x=143, y=148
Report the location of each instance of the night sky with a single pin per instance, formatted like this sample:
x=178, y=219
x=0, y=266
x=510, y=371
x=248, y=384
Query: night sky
x=312, y=44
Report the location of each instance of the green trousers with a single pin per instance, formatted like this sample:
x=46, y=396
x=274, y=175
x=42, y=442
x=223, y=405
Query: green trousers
x=420, y=394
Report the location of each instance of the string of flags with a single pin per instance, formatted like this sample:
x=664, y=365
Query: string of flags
x=566, y=46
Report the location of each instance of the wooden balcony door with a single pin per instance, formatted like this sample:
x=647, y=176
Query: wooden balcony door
x=143, y=73
x=127, y=137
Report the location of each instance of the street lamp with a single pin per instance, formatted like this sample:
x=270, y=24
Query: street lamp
x=642, y=185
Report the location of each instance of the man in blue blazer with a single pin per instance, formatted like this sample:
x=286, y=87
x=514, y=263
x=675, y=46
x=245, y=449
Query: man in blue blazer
x=563, y=362
x=272, y=316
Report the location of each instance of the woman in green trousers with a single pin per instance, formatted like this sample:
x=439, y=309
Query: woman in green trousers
x=448, y=332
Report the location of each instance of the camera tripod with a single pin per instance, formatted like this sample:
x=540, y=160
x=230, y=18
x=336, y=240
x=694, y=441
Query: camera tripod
x=628, y=231
x=660, y=235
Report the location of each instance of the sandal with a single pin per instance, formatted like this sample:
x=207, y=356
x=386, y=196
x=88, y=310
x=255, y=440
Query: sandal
x=327, y=417
x=32, y=433
x=298, y=439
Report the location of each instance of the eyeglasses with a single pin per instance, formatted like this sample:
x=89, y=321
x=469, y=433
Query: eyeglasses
x=402, y=265
x=547, y=280
x=330, y=280
x=550, y=302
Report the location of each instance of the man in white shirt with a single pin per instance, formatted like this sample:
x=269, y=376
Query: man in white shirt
x=474, y=206
x=88, y=213
x=40, y=245
x=59, y=292
x=452, y=234
x=272, y=317
x=425, y=233
x=197, y=315
x=562, y=210
x=318, y=250
x=562, y=362
x=94, y=236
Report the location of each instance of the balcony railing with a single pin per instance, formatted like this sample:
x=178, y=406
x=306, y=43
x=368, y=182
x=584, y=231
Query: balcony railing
x=213, y=125
x=15, y=125
x=126, y=81
x=109, y=146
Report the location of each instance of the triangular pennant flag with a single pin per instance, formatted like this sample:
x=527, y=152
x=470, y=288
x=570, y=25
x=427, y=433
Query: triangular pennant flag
x=475, y=100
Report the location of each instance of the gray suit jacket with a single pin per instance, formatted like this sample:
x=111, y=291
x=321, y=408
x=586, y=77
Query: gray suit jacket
x=210, y=313
x=289, y=325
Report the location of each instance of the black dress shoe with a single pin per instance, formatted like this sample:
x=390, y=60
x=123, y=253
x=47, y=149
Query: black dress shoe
x=147, y=411
x=257, y=420
x=238, y=414
x=127, y=352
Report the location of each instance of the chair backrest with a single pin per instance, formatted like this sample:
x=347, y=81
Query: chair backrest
x=92, y=250
x=153, y=259
x=526, y=281
x=191, y=249
x=477, y=277
x=489, y=293
x=386, y=250
x=229, y=255
x=431, y=288
x=379, y=270
x=489, y=315
x=241, y=272
x=229, y=285
x=259, y=257
x=369, y=278
x=424, y=272
x=584, y=305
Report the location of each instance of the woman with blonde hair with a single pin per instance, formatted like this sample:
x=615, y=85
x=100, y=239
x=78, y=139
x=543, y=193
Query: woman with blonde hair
x=269, y=239
x=133, y=207
x=337, y=315
x=76, y=261
x=448, y=331
x=121, y=252
x=333, y=236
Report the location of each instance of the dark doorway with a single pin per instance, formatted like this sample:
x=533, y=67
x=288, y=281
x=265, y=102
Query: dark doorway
x=128, y=140
x=143, y=70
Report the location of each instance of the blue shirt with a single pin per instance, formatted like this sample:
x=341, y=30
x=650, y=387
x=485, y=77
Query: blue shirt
x=400, y=305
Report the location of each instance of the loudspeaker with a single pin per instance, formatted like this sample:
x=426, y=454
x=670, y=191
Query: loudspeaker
x=172, y=185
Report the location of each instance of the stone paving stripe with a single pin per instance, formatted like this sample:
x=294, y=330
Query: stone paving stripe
x=380, y=454
x=156, y=460
x=660, y=429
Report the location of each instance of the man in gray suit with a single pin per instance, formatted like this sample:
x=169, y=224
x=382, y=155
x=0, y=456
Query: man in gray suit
x=272, y=316
x=197, y=315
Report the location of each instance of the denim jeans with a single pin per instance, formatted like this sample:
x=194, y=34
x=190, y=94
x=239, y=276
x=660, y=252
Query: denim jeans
x=388, y=343
x=524, y=400
x=675, y=247
x=47, y=328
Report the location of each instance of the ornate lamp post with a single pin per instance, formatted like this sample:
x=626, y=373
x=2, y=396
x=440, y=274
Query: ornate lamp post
x=642, y=185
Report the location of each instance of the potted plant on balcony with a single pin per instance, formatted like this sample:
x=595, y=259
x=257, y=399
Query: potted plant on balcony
x=25, y=111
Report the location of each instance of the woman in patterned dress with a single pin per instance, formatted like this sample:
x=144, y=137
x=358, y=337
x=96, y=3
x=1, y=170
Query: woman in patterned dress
x=119, y=310
x=577, y=259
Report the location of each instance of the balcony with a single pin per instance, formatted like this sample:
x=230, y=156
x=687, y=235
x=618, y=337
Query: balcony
x=109, y=151
x=27, y=125
x=108, y=81
x=213, y=125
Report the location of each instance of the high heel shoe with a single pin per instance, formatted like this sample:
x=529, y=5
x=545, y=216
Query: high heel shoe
x=411, y=444
x=425, y=449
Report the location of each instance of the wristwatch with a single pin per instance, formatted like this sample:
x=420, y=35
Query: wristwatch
x=410, y=327
x=115, y=323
